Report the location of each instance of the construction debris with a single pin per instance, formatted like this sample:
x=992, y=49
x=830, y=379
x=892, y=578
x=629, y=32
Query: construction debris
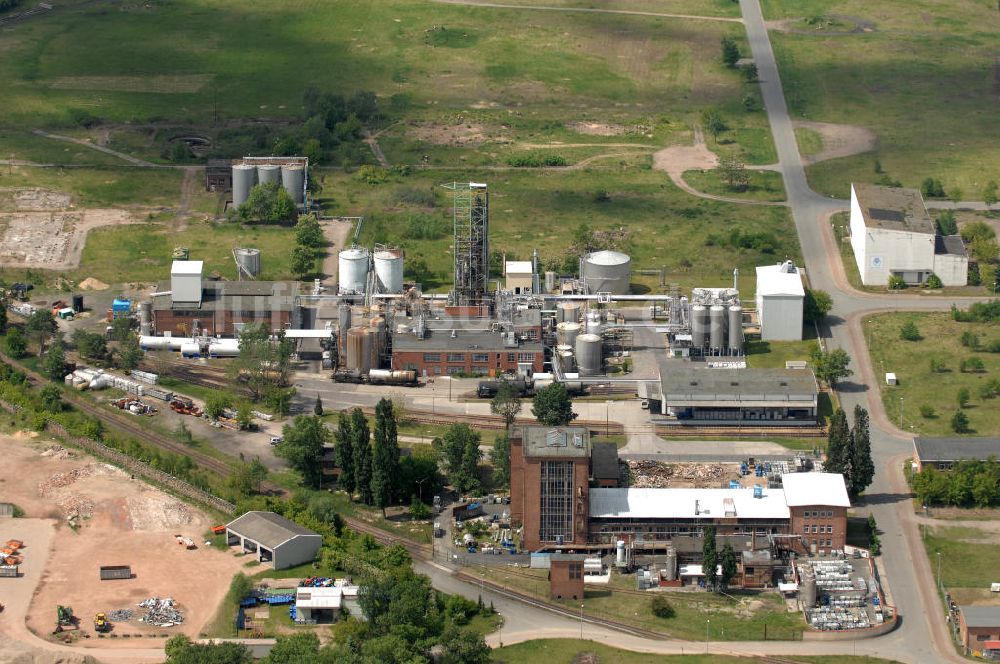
x=58, y=452
x=648, y=474
x=160, y=612
x=134, y=406
x=120, y=615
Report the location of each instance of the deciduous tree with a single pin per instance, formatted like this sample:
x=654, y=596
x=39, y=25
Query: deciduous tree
x=831, y=366
x=709, y=558
x=345, y=454
x=506, y=403
x=361, y=447
x=303, y=448
x=500, y=458
x=552, y=405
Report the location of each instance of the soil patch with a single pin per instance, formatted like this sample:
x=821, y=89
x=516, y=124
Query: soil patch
x=679, y=158
x=459, y=134
x=90, y=283
x=596, y=128
x=839, y=140
x=52, y=240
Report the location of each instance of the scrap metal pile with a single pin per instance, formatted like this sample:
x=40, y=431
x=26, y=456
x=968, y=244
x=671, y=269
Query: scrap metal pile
x=120, y=615
x=648, y=474
x=160, y=612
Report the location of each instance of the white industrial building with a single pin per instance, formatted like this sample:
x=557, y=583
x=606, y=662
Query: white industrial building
x=324, y=604
x=274, y=539
x=185, y=282
x=780, y=298
x=519, y=276
x=892, y=234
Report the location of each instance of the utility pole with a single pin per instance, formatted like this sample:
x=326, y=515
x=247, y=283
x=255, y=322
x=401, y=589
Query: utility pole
x=581, y=620
x=707, y=623
x=900, y=412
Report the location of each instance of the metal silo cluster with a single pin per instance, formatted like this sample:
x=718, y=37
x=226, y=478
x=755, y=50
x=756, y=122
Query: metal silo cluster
x=716, y=321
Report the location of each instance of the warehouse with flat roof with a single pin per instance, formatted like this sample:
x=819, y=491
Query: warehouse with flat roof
x=943, y=453
x=274, y=539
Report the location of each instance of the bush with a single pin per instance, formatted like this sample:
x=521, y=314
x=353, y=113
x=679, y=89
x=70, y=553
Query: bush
x=938, y=366
x=990, y=389
x=932, y=188
x=896, y=282
x=909, y=332
x=536, y=161
x=963, y=397
x=972, y=365
x=662, y=607
x=946, y=223
x=960, y=422
x=927, y=412
x=969, y=339
x=934, y=281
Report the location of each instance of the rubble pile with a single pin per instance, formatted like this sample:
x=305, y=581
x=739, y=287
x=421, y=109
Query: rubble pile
x=76, y=506
x=60, y=480
x=649, y=474
x=120, y=615
x=160, y=612
x=58, y=452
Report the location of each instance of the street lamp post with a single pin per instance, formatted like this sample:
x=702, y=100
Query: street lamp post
x=939, y=570
x=581, y=620
x=607, y=418
x=900, y=412
x=707, y=623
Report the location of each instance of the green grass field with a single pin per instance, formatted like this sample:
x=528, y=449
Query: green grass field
x=969, y=556
x=910, y=360
x=532, y=208
x=572, y=651
x=764, y=185
x=922, y=77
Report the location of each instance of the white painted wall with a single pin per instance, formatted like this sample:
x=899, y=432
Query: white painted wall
x=780, y=317
x=951, y=269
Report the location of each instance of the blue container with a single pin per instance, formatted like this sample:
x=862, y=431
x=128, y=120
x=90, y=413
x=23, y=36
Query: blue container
x=121, y=304
x=734, y=484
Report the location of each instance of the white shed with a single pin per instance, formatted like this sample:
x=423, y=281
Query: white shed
x=274, y=539
x=780, y=298
x=185, y=281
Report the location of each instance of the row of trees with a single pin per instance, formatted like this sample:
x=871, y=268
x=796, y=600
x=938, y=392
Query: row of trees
x=849, y=450
x=263, y=367
x=309, y=246
x=971, y=483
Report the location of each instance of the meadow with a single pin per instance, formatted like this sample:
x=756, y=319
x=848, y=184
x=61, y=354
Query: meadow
x=921, y=74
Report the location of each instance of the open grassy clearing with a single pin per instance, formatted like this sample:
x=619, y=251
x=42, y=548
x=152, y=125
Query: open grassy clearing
x=102, y=187
x=24, y=146
x=764, y=185
x=694, y=7
x=809, y=140
x=918, y=385
x=732, y=620
x=923, y=78
x=573, y=651
x=965, y=563
x=532, y=208
x=774, y=354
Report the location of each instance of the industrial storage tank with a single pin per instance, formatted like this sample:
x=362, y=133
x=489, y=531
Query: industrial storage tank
x=566, y=358
x=717, y=326
x=248, y=260
x=145, y=318
x=566, y=333
x=268, y=173
x=568, y=312
x=699, y=325
x=352, y=270
x=735, y=328
x=606, y=272
x=154, y=343
x=293, y=179
x=244, y=178
x=807, y=590
x=389, y=269
x=224, y=348
x=589, y=354
x=550, y=281
x=670, y=573
x=190, y=349
x=359, y=349
x=594, y=322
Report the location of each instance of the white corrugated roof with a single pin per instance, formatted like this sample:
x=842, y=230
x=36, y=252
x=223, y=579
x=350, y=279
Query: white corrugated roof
x=772, y=281
x=186, y=267
x=319, y=598
x=517, y=267
x=815, y=489
x=686, y=503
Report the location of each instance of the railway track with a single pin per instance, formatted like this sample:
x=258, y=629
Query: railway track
x=417, y=550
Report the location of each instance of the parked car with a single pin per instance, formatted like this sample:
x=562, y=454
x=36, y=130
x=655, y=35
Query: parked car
x=277, y=440
x=644, y=404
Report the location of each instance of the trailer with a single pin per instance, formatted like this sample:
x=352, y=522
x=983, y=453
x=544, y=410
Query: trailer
x=489, y=388
x=406, y=378
x=116, y=572
x=9, y=571
x=467, y=511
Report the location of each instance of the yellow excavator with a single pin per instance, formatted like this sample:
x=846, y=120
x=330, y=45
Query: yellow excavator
x=101, y=623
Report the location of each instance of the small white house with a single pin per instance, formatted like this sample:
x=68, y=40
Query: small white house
x=893, y=235
x=324, y=604
x=780, y=297
x=519, y=276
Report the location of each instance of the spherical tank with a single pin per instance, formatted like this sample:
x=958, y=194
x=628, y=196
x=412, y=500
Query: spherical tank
x=268, y=173
x=589, y=354
x=293, y=179
x=353, y=270
x=735, y=328
x=607, y=272
x=699, y=325
x=717, y=326
x=568, y=312
x=389, y=269
x=249, y=260
x=566, y=333
x=244, y=178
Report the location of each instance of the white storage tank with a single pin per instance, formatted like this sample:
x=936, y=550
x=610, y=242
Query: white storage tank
x=293, y=179
x=176, y=343
x=566, y=333
x=735, y=328
x=244, y=178
x=568, y=312
x=352, y=270
x=594, y=322
x=567, y=360
x=550, y=281
x=224, y=348
x=589, y=354
x=154, y=343
x=268, y=173
x=607, y=272
x=699, y=325
x=389, y=269
x=717, y=327
x=190, y=349
x=248, y=260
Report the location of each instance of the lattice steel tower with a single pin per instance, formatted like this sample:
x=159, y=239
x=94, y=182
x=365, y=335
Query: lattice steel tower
x=471, y=218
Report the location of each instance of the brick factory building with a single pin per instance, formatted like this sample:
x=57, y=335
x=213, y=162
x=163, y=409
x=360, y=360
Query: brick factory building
x=944, y=453
x=979, y=630
x=566, y=576
x=555, y=497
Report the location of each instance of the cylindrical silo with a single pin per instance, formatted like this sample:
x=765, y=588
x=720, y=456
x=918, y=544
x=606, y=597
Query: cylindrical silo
x=589, y=354
x=550, y=281
x=699, y=325
x=807, y=591
x=293, y=179
x=372, y=348
x=248, y=260
x=343, y=325
x=389, y=269
x=353, y=270
x=268, y=173
x=145, y=318
x=607, y=272
x=717, y=327
x=244, y=178
x=568, y=312
x=566, y=357
x=671, y=568
x=566, y=333
x=594, y=322
x=358, y=357
x=735, y=328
